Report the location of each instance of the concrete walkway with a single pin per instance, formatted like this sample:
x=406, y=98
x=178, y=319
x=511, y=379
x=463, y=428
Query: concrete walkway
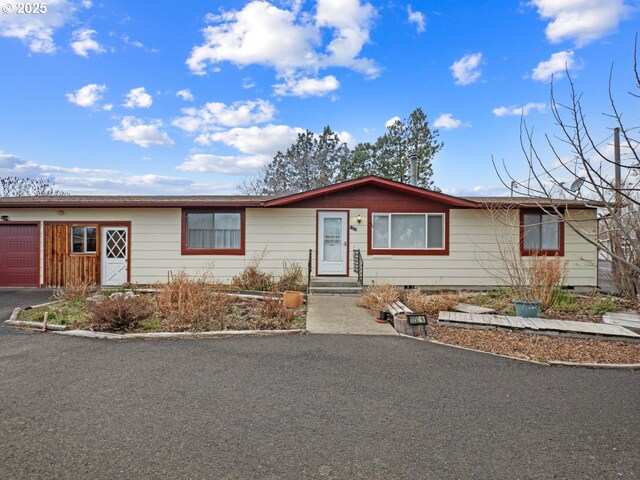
x=339, y=314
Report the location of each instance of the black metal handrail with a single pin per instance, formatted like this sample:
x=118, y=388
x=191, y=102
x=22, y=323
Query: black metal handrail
x=309, y=271
x=358, y=265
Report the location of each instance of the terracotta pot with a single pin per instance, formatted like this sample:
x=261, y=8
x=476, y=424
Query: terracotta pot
x=292, y=299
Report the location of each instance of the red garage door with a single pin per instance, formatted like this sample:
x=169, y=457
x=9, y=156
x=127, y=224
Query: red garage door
x=19, y=254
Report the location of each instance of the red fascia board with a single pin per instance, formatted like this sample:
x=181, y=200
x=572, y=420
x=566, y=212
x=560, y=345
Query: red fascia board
x=382, y=182
x=145, y=204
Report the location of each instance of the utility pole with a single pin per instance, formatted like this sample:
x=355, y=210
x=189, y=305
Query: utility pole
x=617, y=210
x=616, y=154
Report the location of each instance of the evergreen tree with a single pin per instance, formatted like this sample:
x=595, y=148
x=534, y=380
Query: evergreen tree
x=315, y=161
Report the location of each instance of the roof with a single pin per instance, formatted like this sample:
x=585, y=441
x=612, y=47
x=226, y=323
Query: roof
x=134, y=201
x=517, y=202
x=377, y=181
x=69, y=201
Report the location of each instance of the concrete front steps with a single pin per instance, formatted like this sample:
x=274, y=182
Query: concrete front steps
x=334, y=285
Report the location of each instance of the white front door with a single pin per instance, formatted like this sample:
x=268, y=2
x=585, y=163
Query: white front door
x=115, y=256
x=332, y=243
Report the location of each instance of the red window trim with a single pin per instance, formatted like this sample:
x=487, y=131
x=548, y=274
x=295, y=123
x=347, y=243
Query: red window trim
x=393, y=251
x=532, y=253
x=212, y=251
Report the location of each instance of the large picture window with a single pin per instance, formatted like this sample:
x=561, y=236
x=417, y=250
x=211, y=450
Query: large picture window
x=408, y=231
x=541, y=233
x=217, y=232
x=83, y=239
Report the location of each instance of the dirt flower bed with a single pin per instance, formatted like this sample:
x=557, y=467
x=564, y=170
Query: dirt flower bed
x=542, y=348
x=195, y=310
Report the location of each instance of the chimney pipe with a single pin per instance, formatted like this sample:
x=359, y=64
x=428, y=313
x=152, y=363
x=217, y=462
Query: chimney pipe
x=413, y=158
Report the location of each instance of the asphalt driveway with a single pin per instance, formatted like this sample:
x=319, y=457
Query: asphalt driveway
x=10, y=298
x=308, y=406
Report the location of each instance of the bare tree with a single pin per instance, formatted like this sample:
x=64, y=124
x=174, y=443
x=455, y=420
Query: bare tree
x=27, y=187
x=609, y=182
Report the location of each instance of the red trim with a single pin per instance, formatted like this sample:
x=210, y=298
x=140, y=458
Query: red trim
x=391, y=251
x=382, y=182
x=130, y=204
x=38, y=229
x=348, y=212
x=212, y=251
x=531, y=253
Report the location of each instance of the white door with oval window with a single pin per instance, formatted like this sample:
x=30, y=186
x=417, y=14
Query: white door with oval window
x=115, y=256
x=332, y=243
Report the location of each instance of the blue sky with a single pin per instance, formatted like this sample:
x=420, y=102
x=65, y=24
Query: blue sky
x=191, y=97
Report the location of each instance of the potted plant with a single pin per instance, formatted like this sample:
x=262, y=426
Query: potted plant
x=539, y=284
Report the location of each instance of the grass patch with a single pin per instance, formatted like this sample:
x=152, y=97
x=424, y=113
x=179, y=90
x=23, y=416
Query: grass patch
x=68, y=312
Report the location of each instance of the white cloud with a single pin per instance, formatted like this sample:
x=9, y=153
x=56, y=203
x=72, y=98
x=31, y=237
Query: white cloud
x=350, y=22
x=305, y=87
x=418, y=18
x=515, y=110
x=136, y=43
x=133, y=130
x=559, y=62
x=391, y=121
x=290, y=41
x=77, y=180
x=214, y=115
x=467, y=69
x=36, y=30
x=447, y=122
x=138, y=98
x=88, y=96
x=582, y=21
x=204, y=162
x=255, y=140
x=248, y=83
x=185, y=95
x=260, y=33
x=83, y=43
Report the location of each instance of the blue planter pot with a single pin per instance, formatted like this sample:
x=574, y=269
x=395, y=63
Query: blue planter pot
x=526, y=308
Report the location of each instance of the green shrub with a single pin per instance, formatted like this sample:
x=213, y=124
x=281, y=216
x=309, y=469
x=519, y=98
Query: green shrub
x=564, y=301
x=601, y=304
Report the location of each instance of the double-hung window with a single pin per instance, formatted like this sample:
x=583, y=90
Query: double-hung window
x=83, y=239
x=541, y=233
x=217, y=232
x=407, y=232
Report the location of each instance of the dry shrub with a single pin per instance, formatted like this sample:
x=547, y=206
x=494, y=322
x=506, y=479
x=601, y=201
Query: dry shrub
x=292, y=277
x=252, y=278
x=121, y=312
x=188, y=303
x=376, y=297
x=273, y=315
x=75, y=290
x=546, y=275
x=430, y=304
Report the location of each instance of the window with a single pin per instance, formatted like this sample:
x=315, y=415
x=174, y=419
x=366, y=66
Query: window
x=540, y=233
x=83, y=239
x=408, y=231
x=218, y=232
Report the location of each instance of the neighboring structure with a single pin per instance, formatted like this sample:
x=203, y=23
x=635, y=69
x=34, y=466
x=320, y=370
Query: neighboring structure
x=404, y=235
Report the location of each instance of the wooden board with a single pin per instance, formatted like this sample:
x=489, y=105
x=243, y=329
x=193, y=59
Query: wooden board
x=468, y=308
x=539, y=324
x=624, y=319
x=61, y=266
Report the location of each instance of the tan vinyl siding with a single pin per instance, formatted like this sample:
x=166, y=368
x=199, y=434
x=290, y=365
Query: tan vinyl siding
x=287, y=234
